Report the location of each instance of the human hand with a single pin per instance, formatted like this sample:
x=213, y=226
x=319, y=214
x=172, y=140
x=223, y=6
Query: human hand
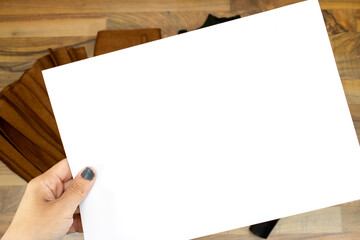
x=46, y=211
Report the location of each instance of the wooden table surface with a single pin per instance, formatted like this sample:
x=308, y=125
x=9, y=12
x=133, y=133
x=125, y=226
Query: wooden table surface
x=29, y=27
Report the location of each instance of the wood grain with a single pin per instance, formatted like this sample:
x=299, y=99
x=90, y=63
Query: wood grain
x=169, y=22
x=18, y=54
x=340, y=4
x=29, y=27
x=263, y=5
x=340, y=20
x=355, y=114
x=352, y=91
x=11, y=180
x=105, y=6
x=59, y=27
x=249, y=7
x=330, y=219
x=10, y=197
x=348, y=66
x=4, y=170
x=5, y=220
x=346, y=44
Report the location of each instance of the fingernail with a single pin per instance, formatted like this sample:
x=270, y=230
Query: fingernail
x=88, y=174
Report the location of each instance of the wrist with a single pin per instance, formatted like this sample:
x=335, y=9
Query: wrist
x=11, y=234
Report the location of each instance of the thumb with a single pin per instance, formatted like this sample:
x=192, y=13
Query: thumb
x=77, y=190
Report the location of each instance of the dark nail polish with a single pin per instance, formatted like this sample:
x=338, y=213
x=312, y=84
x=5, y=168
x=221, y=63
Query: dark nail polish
x=88, y=174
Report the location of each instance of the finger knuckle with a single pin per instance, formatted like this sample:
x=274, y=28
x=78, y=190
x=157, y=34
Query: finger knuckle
x=33, y=182
x=77, y=188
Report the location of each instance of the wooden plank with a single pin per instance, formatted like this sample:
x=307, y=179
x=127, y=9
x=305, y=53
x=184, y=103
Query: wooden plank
x=355, y=114
x=53, y=28
x=169, y=22
x=236, y=234
x=337, y=20
x=10, y=7
x=11, y=180
x=10, y=72
x=352, y=91
x=7, y=77
x=349, y=67
x=249, y=7
x=4, y=170
x=340, y=20
x=5, y=220
x=16, y=53
x=22, y=58
x=352, y=204
x=241, y=233
x=39, y=45
x=346, y=48
x=43, y=17
x=346, y=44
x=250, y=236
x=358, y=20
x=327, y=220
x=342, y=236
x=19, y=54
x=355, y=111
x=10, y=197
x=324, y=221
x=340, y=4
x=351, y=217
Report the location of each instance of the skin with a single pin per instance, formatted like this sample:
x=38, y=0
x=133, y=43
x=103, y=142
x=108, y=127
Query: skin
x=46, y=211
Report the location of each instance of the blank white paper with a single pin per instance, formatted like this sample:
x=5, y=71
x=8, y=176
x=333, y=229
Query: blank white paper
x=212, y=130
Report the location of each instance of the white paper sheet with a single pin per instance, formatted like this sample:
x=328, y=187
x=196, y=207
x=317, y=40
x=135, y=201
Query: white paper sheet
x=211, y=130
